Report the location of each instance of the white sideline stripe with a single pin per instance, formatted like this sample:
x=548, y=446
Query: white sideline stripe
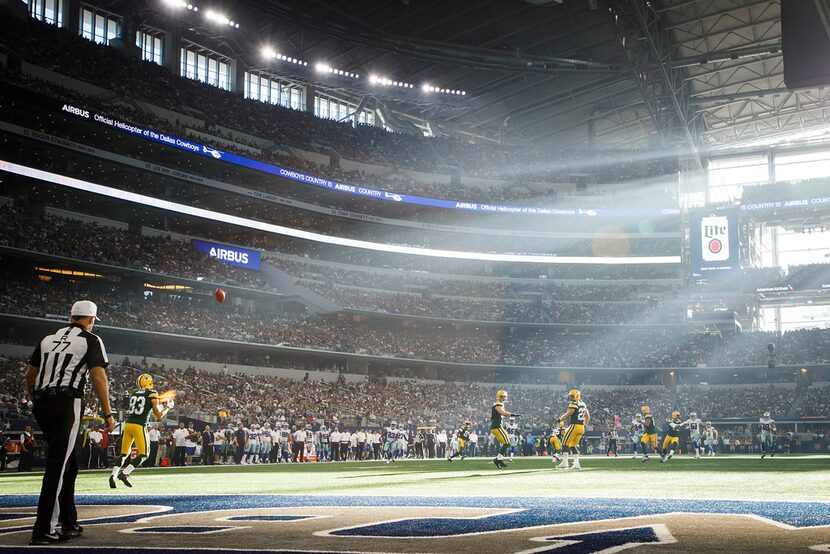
x=70, y=449
x=135, y=198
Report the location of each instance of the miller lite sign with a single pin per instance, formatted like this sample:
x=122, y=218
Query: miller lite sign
x=713, y=242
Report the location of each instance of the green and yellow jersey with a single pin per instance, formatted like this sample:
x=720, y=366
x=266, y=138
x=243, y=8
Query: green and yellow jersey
x=495, y=416
x=141, y=406
x=673, y=427
x=578, y=415
x=464, y=433
x=648, y=421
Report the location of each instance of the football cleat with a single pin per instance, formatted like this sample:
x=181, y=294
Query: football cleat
x=112, y=482
x=576, y=466
x=123, y=478
x=645, y=458
x=562, y=465
x=144, y=381
x=45, y=539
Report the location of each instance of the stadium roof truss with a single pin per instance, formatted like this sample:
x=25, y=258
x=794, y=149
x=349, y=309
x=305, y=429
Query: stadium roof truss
x=695, y=75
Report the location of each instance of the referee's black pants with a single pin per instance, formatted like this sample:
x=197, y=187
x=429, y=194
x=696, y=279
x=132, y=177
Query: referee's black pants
x=59, y=419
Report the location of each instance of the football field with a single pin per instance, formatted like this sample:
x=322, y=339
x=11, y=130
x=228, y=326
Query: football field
x=727, y=504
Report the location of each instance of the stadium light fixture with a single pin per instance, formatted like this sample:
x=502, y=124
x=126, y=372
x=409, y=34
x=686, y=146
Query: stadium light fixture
x=181, y=4
x=426, y=87
x=387, y=82
x=220, y=18
x=326, y=68
x=271, y=54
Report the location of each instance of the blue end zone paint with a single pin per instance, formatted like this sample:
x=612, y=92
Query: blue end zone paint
x=182, y=529
x=536, y=511
x=601, y=541
x=267, y=518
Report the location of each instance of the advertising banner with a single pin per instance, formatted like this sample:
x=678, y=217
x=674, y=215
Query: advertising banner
x=713, y=242
x=231, y=255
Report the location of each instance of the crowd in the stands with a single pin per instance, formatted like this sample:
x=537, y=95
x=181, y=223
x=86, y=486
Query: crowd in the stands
x=230, y=397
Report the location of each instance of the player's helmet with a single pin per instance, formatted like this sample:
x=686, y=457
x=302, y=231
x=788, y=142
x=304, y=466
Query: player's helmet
x=693, y=415
x=574, y=395
x=645, y=410
x=501, y=396
x=675, y=415
x=708, y=424
x=394, y=424
x=144, y=381
x=766, y=414
x=467, y=423
x=638, y=417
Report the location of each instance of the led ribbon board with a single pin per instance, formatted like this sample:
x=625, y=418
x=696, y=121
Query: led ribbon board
x=86, y=186
x=378, y=194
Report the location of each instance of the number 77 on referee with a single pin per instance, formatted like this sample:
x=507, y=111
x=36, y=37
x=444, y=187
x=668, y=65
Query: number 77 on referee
x=56, y=378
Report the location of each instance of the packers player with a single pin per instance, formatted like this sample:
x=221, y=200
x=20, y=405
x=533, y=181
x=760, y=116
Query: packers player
x=144, y=400
x=578, y=417
x=462, y=435
x=672, y=436
x=555, y=443
x=497, y=415
x=650, y=432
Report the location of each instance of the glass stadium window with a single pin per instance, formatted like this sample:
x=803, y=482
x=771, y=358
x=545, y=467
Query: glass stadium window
x=340, y=110
x=204, y=65
x=50, y=11
x=273, y=90
x=151, y=43
x=99, y=26
x=729, y=176
x=798, y=167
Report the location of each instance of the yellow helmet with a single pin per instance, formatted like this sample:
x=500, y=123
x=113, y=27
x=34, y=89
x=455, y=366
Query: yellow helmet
x=144, y=381
x=645, y=410
x=574, y=395
x=467, y=423
x=675, y=415
x=501, y=396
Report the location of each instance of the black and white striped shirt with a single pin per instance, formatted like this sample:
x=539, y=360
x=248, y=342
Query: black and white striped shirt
x=63, y=360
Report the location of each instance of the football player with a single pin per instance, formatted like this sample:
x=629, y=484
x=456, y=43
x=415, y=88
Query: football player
x=265, y=444
x=672, y=437
x=323, y=447
x=637, y=431
x=391, y=439
x=497, y=415
x=767, y=429
x=649, y=434
x=710, y=437
x=578, y=417
x=144, y=401
x=695, y=427
x=555, y=443
x=462, y=436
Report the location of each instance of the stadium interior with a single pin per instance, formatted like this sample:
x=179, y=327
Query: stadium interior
x=335, y=215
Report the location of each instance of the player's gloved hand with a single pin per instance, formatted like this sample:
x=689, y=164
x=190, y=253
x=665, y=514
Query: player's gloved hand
x=170, y=404
x=516, y=415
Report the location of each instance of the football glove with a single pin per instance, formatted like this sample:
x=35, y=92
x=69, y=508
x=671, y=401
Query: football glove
x=170, y=404
x=516, y=415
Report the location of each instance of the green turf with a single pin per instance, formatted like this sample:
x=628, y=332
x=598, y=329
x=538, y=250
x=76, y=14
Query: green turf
x=738, y=477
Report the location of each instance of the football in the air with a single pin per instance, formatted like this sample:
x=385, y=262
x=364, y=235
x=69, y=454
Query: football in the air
x=220, y=295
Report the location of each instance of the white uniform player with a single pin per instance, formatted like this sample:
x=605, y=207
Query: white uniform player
x=637, y=431
x=253, y=445
x=400, y=444
x=695, y=426
x=710, y=438
x=391, y=439
x=767, y=429
x=265, y=444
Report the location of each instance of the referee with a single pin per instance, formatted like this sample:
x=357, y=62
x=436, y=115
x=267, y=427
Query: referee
x=55, y=378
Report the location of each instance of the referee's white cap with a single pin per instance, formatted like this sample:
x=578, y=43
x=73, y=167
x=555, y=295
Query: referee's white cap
x=85, y=308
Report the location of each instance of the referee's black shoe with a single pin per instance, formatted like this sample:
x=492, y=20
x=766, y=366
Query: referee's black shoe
x=45, y=539
x=72, y=533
